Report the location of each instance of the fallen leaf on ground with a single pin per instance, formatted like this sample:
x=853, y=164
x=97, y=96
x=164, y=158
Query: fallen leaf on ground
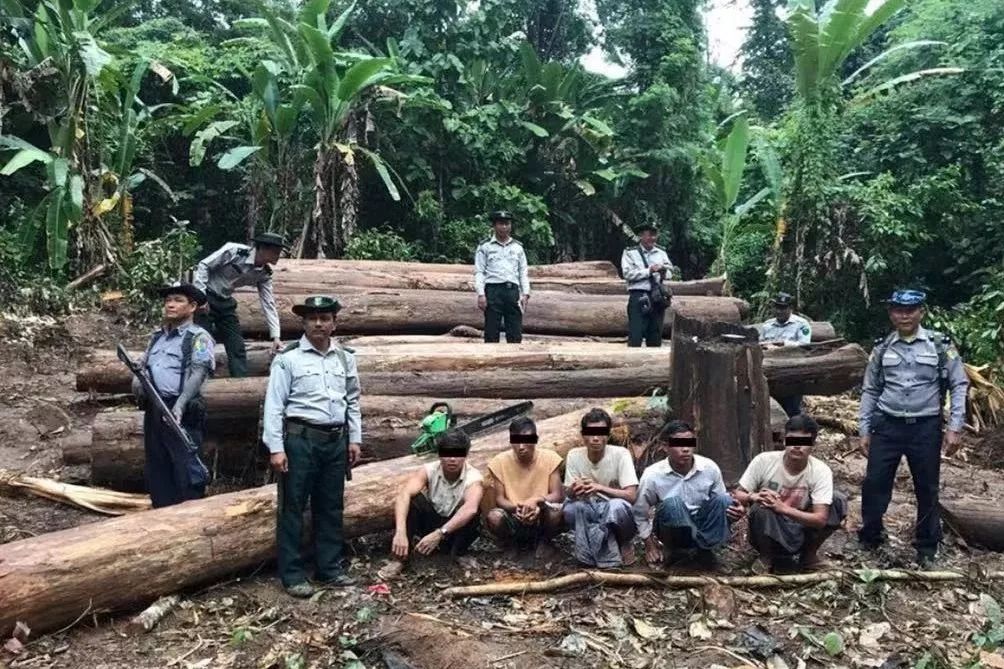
x=646, y=630
x=699, y=630
x=991, y=660
x=872, y=633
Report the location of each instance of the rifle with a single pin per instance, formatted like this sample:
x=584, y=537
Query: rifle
x=197, y=471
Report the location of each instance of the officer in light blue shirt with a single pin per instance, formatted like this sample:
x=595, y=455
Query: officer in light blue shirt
x=178, y=358
x=908, y=374
x=313, y=430
x=502, y=281
x=645, y=268
x=786, y=329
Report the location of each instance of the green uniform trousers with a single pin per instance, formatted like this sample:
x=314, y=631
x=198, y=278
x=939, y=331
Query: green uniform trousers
x=222, y=323
x=317, y=465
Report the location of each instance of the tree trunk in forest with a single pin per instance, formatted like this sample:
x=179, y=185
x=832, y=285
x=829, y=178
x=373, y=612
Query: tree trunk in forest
x=390, y=425
x=348, y=188
x=53, y=579
x=437, y=311
x=718, y=386
x=979, y=521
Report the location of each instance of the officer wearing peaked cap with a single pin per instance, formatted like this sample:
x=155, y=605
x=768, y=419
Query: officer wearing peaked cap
x=786, y=329
x=232, y=266
x=908, y=374
x=313, y=430
x=502, y=280
x=645, y=268
x=178, y=358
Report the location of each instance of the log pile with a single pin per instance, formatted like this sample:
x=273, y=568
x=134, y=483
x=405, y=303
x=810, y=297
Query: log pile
x=130, y=561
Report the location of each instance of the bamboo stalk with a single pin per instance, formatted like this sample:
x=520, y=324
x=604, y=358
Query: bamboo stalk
x=678, y=582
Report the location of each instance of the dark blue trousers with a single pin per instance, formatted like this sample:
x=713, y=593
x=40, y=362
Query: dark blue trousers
x=891, y=439
x=166, y=468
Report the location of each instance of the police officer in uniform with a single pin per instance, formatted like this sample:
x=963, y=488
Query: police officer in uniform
x=502, y=280
x=907, y=375
x=786, y=329
x=645, y=267
x=232, y=266
x=178, y=359
x=313, y=430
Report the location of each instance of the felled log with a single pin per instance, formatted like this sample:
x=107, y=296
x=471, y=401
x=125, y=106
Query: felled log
x=153, y=614
x=102, y=373
x=718, y=386
x=582, y=268
x=679, y=582
x=390, y=425
x=51, y=580
x=333, y=280
x=437, y=311
x=814, y=369
x=979, y=522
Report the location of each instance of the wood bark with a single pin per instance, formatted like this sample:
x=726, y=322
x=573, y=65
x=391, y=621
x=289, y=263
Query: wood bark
x=437, y=311
x=718, y=386
x=335, y=279
x=232, y=448
x=51, y=580
x=573, y=270
x=979, y=522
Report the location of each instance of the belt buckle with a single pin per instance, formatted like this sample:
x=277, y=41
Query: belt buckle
x=910, y=420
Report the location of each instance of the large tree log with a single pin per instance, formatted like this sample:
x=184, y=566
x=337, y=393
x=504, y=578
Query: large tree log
x=572, y=270
x=979, y=521
x=814, y=369
x=103, y=373
x=390, y=425
x=719, y=387
x=53, y=579
x=437, y=311
x=334, y=280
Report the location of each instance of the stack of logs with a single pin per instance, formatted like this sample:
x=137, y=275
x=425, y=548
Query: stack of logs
x=436, y=354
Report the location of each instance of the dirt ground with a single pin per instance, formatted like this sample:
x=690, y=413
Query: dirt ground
x=249, y=622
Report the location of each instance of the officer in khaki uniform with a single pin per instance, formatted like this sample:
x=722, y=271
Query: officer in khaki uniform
x=313, y=430
x=905, y=382
x=502, y=281
x=233, y=266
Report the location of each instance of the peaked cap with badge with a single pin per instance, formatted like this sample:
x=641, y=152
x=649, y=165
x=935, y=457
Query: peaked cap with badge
x=782, y=300
x=907, y=298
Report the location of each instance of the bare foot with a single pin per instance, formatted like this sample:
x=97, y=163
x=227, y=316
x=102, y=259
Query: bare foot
x=391, y=570
x=545, y=552
x=628, y=556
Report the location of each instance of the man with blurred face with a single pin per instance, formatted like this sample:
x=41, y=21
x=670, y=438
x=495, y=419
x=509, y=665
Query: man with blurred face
x=645, y=269
x=179, y=359
x=601, y=487
x=313, y=430
x=439, y=503
x=688, y=495
x=786, y=329
x=523, y=506
x=908, y=375
x=502, y=280
x=792, y=506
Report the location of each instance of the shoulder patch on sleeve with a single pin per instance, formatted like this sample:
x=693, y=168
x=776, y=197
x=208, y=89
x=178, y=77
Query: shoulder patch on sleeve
x=202, y=348
x=806, y=329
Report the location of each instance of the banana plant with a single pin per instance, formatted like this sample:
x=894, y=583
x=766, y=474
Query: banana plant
x=61, y=35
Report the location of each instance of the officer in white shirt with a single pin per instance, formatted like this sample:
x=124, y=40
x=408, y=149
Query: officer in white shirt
x=646, y=267
x=502, y=280
x=786, y=329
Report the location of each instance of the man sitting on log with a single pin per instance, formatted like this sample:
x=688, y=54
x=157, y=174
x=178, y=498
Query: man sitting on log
x=792, y=506
x=178, y=358
x=439, y=502
x=692, y=507
x=645, y=268
x=601, y=486
x=232, y=266
x=502, y=281
x=313, y=430
x=786, y=329
x=526, y=486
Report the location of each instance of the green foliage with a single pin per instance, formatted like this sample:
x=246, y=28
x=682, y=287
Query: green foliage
x=379, y=244
x=991, y=636
x=977, y=325
x=156, y=263
x=767, y=82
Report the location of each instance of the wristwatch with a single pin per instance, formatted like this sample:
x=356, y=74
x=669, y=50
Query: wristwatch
x=443, y=532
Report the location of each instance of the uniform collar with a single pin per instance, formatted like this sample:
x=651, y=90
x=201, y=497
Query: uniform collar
x=922, y=334
x=506, y=243
x=655, y=247
x=180, y=330
x=305, y=345
x=249, y=258
x=697, y=467
x=791, y=319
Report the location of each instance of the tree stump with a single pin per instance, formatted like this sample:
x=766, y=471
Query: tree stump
x=718, y=386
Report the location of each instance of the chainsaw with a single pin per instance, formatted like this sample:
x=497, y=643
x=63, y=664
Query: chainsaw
x=441, y=418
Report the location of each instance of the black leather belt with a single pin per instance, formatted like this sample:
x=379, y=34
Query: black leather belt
x=327, y=429
x=909, y=420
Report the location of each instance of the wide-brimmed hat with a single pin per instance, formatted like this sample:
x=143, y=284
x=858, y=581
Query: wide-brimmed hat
x=317, y=304
x=907, y=298
x=270, y=239
x=186, y=289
